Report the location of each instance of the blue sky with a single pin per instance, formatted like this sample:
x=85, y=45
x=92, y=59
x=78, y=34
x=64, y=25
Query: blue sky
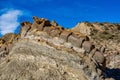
x=66, y=12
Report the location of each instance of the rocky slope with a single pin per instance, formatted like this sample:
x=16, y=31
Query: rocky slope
x=105, y=35
x=45, y=51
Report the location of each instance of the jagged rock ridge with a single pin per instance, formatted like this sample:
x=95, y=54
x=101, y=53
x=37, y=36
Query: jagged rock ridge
x=44, y=50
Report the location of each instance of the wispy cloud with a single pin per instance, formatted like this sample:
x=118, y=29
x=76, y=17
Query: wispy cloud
x=9, y=20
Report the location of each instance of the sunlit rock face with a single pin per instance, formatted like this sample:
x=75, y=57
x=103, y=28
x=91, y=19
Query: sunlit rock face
x=106, y=37
x=46, y=51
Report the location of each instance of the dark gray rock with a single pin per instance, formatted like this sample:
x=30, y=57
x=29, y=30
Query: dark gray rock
x=98, y=56
x=88, y=46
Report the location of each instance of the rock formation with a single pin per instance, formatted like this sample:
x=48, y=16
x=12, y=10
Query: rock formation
x=106, y=37
x=45, y=51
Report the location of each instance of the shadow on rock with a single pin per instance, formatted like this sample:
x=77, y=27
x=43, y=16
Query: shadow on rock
x=112, y=73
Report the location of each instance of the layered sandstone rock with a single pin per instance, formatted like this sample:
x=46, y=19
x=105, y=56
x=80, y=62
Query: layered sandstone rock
x=106, y=37
x=45, y=51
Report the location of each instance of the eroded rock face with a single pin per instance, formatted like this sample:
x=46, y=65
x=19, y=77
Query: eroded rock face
x=6, y=44
x=106, y=38
x=46, y=51
x=84, y=28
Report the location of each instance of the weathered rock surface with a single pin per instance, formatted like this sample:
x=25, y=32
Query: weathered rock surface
x=106, y=37
x=45, y=51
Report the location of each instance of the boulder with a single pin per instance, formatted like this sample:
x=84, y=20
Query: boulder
x=75, y=40
x=99, y=57
x=65, y=34
x=55, y=33
x=88, y=46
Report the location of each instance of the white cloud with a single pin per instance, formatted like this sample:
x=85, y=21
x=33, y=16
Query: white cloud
x=9, y=20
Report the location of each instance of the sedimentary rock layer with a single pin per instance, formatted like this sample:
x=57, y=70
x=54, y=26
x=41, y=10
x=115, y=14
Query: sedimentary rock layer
x=44, y=50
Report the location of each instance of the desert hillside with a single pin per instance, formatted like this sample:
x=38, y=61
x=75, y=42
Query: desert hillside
x=43, y=50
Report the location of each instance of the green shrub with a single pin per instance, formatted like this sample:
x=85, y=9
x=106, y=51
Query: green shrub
x=106, y=35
